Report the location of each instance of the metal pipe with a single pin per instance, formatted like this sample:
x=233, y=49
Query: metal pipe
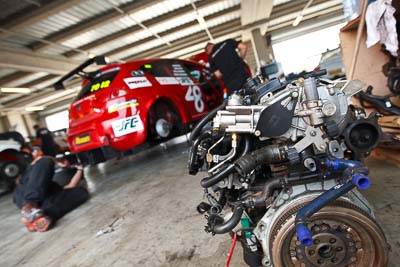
x=229, y=169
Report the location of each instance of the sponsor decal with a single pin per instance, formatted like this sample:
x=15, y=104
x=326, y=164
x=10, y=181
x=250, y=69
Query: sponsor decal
x=178, y=70
x=135, y=73
x=127, y=125
x=147, y=66
x=79, y=140
x=100, y=85
x=194, y=94
x=137, y=82
x=185, y=80
x=123, y=105
x=167, y=80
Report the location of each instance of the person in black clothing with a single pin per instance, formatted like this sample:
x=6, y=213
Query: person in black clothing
x=47, y=143
x=43, y=201
x=227, y=63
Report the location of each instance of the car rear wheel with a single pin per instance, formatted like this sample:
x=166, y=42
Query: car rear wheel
x=8, y=172
x=164, y=121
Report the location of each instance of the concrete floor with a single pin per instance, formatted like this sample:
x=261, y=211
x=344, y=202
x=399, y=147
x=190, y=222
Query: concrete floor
x=142, y=213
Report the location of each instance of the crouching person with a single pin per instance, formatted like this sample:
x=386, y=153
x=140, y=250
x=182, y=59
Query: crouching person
x=41, y=200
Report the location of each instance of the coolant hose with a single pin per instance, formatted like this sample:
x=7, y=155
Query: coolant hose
x=229, y=224
x=355, y=174
x=229, y=169
x=214, y=179
x=267, y=155
x=196, y=130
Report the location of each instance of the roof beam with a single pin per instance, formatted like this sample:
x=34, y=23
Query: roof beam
x=94, y=22
x=176, y=29
x=36, y=15
x=12, y=77
x=136, y=28
x=188, y=41
x=25, y=60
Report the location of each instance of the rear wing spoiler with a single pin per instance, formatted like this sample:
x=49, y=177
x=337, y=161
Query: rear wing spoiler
x=99, y=60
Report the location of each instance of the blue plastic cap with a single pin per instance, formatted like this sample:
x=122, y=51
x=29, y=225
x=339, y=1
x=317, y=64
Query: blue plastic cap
x=361, y=180
x=304, y=234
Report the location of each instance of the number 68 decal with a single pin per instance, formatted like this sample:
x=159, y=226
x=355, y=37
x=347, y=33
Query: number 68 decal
x=194, y=94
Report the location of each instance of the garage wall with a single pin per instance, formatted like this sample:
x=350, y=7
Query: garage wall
x=17, y=123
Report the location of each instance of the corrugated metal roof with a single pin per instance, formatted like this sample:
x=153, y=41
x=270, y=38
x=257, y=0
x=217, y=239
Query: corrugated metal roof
x=177, y=35
x=6, y=72
x=66, y=18
x=162, y=27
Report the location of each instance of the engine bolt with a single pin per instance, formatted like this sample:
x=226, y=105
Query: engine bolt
x=332, y=240
x=339, y=249
x=298, y=243
x=351, y=244
x=257, y=133
x=311, y=252
x=293, y=253
x=298, y=250
x=358, y=245
x=320, y=261
x=262, y=227
x=317, y=229
x=313, y=133
x=316, y=241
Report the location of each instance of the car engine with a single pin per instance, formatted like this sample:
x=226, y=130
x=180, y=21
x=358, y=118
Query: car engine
x=284, y=165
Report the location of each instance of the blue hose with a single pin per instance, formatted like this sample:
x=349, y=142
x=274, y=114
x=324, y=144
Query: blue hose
x=355, y=174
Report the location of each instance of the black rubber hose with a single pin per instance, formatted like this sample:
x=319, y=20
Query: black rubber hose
x=229, y=224
x=267, y=155
x=214, y=179
x=205, y=120
x=270, y=185
x=258, y=201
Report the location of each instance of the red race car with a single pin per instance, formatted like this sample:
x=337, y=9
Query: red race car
x=120, y=106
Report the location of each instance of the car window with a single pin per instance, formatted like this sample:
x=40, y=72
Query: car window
x=160, y=68
x=168, y=72
x=204, y=77
x=100, y=81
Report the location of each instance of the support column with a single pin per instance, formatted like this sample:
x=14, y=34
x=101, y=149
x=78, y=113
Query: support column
x=262, y=47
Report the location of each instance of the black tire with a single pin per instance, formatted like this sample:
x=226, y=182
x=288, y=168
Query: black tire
x=162, y=115
x=9, y=171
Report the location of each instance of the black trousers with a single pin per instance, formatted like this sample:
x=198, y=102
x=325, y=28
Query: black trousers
x=36, y=185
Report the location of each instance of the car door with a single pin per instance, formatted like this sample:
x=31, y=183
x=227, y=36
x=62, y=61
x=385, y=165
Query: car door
x=210, y=87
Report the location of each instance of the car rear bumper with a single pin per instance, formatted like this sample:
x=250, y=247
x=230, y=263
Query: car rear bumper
x=110, y=133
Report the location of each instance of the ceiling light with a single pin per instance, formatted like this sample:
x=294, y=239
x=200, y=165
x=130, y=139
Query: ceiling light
x=37, y=108
x=21, y=90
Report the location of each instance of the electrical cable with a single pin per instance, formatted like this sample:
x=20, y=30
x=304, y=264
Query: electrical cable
x=231, y=250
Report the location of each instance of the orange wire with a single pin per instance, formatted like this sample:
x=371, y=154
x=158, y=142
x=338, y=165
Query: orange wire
x=231, y=250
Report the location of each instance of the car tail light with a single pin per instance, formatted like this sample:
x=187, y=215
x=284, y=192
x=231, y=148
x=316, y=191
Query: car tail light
x=117, y=93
